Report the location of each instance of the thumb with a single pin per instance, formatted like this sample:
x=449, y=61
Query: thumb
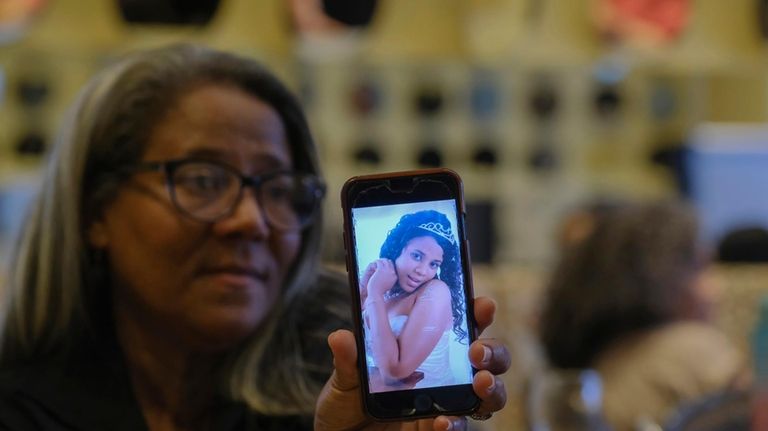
x=342, y=344
x=340, y=405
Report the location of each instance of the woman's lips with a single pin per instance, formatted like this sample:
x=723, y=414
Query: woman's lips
x=237, y=276
x=413, y=282
x=245, y=270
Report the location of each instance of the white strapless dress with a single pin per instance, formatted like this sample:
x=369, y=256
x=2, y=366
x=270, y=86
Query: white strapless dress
x=436, y=367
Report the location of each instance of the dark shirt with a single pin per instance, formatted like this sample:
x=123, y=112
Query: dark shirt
x=89, y=388
x=98, y=397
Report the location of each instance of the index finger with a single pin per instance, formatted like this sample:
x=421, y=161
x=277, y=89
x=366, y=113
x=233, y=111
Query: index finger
x=485, y=308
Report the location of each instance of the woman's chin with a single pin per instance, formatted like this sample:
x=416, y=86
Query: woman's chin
x=225, y=330
x=409, y=285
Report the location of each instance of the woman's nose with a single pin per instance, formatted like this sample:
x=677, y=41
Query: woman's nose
x=248, y=218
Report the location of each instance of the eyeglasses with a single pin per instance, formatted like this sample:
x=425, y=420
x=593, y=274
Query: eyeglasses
x=208, y=191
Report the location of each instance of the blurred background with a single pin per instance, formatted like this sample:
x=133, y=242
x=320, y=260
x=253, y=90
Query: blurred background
x=542, y=106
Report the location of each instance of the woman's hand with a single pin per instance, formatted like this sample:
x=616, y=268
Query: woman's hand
x=366, y=277
x=383, y=278
x=340, y=405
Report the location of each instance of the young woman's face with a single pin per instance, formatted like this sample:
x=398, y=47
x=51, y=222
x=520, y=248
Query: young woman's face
x=418, y=262
x=204, y=284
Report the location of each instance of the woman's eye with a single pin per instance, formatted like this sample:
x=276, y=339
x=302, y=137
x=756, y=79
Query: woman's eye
x=204, y=183
x=279, y=193
x=207, y=182
x=416, y=256
x=435, y=265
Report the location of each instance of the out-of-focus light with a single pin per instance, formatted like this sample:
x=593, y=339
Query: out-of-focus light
x=663, y=102
x=15, y=198
x=643, y=22
x=484, y=96
x=15, y=17
x=611, y=69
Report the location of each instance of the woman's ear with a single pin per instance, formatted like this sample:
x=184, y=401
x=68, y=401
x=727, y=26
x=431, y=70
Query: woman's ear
x=97, y=235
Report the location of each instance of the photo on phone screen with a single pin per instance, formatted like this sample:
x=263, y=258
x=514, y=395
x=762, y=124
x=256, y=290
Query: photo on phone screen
x=409, y=264
x=408, y=267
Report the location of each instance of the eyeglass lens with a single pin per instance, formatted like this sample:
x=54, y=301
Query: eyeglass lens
x=207, y=192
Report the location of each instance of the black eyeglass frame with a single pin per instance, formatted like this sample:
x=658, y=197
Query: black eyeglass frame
x=169, y=167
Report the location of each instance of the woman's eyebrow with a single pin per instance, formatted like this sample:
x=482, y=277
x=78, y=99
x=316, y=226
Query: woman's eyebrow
x=268, y=161
x=259, y=161
x=208, y=153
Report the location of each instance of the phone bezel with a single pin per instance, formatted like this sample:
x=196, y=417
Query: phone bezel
x=375, y=190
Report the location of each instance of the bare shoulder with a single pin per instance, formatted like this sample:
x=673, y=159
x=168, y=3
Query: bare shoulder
x=435, y=289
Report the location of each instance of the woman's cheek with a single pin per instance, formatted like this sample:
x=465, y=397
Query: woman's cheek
x=286, y=248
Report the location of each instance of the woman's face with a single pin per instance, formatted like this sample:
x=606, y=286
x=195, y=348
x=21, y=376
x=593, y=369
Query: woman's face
x=206, y=284
x=418, y=262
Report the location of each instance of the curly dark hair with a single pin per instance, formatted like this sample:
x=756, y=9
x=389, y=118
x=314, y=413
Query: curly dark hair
x=633, y=272
x=450, y=270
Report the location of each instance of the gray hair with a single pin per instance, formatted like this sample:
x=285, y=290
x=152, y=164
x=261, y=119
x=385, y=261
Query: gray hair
x=51, y=294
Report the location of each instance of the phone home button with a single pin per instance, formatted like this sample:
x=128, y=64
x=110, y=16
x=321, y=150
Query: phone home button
x=422, y=403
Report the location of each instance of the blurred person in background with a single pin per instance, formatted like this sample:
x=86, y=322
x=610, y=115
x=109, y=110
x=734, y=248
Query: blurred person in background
x=167, y=277
x=579, y=222
x=634, y=300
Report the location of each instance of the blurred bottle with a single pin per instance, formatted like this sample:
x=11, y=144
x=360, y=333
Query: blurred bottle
x=760, y=367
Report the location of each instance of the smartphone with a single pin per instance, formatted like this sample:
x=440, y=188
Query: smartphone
x=408, y=263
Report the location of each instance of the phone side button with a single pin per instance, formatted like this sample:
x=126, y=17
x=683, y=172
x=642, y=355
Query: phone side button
x=344, y=244
x=422, y=403
x=469, y=252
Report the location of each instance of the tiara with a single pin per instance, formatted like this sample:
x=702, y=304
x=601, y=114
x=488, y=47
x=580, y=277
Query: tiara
x=438, y=229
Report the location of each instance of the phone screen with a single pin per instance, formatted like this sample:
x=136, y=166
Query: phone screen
x=408, y=267
x=431, y=254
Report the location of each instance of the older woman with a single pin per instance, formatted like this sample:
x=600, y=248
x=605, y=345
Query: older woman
x=167, y=278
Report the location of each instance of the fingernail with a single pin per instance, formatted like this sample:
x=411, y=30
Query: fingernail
x=492, y=386
x=450, y=426
x=486, y=354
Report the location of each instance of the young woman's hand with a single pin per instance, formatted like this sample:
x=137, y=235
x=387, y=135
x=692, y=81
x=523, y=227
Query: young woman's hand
x=366, y=277
x=340, y=406
x=382, y=279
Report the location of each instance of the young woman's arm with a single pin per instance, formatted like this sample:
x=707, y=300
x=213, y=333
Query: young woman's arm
x=378, y=278
x=397, y=358
x=342, y=390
